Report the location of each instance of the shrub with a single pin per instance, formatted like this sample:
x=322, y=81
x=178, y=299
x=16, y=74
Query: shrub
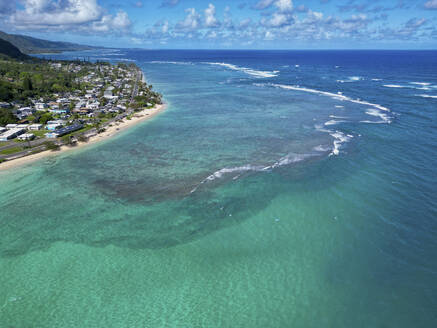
x=50, y=145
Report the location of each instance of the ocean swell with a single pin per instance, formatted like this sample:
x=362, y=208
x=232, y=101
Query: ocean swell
x=235, y=172
x=249, y=71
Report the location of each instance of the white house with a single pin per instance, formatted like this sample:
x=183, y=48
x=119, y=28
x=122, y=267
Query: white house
x=34, y=127
x=26, y=137
x=41, y=106
x=11, y=134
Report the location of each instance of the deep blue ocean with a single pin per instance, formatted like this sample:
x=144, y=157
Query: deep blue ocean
x=278, y=189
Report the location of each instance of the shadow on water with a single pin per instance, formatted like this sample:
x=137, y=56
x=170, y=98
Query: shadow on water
x=127, y=217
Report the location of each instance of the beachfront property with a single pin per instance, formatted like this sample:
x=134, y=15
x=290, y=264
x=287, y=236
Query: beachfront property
x=63, y=131
x=26, y=137
x=11, y=134
x=103, y=94
x=35, y=127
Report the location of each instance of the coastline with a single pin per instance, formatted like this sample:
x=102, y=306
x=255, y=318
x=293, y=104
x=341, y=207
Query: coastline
x=110, y=131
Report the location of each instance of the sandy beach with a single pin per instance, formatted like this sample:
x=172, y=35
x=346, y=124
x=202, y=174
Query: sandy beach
x=111, y=130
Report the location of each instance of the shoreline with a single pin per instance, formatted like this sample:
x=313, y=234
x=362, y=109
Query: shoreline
x=110, y=131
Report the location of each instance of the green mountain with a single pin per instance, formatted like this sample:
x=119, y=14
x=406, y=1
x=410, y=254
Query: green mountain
x=29, y=45
x=9, y=50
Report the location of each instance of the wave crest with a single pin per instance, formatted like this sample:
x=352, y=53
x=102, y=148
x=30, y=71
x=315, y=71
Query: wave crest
x=249, y=71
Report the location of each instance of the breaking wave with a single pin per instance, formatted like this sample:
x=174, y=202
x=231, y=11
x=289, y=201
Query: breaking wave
x=235, y=172
x=375, y=112
x=171, y=62
x=249, y=71
x=340, y=138
x=337, y=96
x=351, y=79
x=427, y=96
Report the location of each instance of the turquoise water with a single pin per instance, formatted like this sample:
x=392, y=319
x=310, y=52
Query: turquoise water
x=260, y=198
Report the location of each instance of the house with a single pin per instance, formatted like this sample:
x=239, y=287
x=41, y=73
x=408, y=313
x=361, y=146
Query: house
x=53, y=127
x=11, y=126
x=34, y=127
x=2, y=130
x=11, y=134
x=4, y=105
x=22, y=126
x=41, y=106
x=109, y=92
x=26, y=136
x=63, y=131
x=62, y=110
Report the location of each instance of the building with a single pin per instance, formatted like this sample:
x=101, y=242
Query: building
x=2, y=130
x=53, y=127
x=41, y=106
x=109, y=92
x=26, y=136
x=62, y=132
x=34, y=127
x=11, y=134
x=60, y=110
x=11, y=126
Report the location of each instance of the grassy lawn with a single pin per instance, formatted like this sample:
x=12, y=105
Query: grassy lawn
x=85, y=129
x=4, y=143
x=40, y=133
x=11, y=151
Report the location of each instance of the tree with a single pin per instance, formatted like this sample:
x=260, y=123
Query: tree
x=27, y=83
x=45, y=118
x=6, y=117
x=6, y=92
x=50, y=145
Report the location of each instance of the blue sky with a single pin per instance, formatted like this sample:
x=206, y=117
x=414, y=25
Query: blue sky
x=228, y=24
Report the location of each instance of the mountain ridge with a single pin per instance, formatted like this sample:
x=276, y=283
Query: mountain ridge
x=9, y=50
x=30, y=45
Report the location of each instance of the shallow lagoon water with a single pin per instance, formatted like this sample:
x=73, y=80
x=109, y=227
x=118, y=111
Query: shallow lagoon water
x=232, y=207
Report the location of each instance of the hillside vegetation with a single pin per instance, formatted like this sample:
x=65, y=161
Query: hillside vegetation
x=29, y=45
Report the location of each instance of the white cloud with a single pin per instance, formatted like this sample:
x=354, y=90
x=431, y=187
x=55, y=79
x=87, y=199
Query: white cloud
x=431, y=4
x=263, y=4
x=165, y=27
x=85, y=16
x=268, y=36
x=210, y=18
x=52, y=13
x=191, y=21
x=120, y=23
x=284, y=5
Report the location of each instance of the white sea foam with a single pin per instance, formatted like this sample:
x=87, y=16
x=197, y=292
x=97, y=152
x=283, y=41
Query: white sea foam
x=427, y=96
x=375, y=112
x=337, y=96
x=238, y=170
x=338, y=106
x=322, y=148
x=421, y=83
x=249, y=71
x=394, y=86
x=171, y=62
x=339, y=139
x=333, y=122
x=340, y=117
x=351, y=79
x=376, y=80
